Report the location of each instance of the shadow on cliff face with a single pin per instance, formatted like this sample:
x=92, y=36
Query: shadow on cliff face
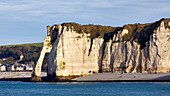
x=101, y=52
x=55, y=38
x=142, y=34
x=107, y=37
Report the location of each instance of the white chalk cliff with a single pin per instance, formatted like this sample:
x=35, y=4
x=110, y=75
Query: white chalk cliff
x=77, y=50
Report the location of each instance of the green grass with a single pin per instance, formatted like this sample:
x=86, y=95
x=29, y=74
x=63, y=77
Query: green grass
x=94, y=30
x=28, y=44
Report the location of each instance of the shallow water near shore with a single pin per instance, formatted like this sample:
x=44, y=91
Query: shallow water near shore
x=9, y=88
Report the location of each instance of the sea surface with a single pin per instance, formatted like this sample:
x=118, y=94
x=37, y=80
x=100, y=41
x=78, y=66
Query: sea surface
x=9, y=88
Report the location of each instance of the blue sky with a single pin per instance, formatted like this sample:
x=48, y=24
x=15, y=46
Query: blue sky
x=25, y=21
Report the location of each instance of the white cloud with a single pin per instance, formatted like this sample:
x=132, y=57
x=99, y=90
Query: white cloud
x=29, y=9
x=106, y=12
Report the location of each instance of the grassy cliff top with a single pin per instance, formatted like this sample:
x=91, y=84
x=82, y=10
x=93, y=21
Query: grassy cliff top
x=93, y=30
x=140, y=33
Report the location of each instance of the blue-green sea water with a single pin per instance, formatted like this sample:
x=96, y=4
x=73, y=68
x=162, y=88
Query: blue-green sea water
x=8, y=88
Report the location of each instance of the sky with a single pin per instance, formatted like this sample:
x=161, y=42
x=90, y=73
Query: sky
x=25, y=21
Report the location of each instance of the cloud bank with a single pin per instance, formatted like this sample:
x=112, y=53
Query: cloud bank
x=31, y=16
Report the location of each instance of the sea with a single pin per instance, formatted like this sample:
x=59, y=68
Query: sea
x=11, y=88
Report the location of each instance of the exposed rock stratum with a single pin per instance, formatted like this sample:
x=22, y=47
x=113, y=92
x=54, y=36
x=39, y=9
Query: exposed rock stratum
x=76, y=50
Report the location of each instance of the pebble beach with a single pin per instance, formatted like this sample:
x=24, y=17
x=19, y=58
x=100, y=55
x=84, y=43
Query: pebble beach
x=124, y=77
x=96, y=77
x=4, y=75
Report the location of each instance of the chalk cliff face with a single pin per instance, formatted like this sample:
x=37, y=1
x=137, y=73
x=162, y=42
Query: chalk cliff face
x=146, y=50
x=73, y=53
x=86, y=49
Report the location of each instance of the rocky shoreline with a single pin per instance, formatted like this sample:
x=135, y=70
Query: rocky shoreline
x=99, y=77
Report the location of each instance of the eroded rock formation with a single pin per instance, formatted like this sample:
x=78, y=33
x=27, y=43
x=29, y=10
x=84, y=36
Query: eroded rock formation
x=36, y=74
x=85, y=49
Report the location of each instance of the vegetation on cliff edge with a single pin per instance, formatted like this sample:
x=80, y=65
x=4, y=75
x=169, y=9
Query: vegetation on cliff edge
x=94, y=30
